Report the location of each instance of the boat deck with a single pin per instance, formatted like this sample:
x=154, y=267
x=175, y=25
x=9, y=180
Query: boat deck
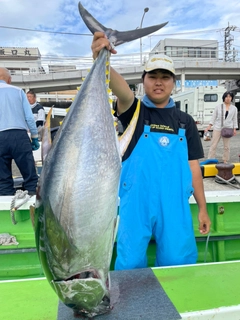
x=198, y=292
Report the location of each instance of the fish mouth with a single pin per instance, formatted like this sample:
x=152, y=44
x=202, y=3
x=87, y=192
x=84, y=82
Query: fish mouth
x=85, y=292
x=92, y=273
x=103, y=307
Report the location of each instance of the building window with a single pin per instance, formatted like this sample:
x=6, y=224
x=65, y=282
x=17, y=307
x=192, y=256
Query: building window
x=168, y=51
x=213, y=53
x=175, y=52
x=190, y=52
x=186, y=52
x=179, y=51
x=210, y=97
x=198, y=52
x=205, y=53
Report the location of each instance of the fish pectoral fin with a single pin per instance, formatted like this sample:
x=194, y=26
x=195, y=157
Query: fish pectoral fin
x=32, y=214
x=116, y=228
x=46, y=136
x=127, y=135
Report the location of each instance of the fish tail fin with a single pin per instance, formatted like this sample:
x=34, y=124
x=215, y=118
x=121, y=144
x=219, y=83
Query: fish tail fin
x=114, y=36
x=92, y=24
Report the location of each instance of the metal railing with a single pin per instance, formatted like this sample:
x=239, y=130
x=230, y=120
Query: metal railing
x=65, y=64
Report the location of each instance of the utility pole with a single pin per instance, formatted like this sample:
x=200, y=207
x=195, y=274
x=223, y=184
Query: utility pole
x=145, y=10
x=234, y=55
x=228, y=39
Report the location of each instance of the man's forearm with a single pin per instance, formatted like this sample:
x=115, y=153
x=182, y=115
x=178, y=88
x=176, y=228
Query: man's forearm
x=122, y=90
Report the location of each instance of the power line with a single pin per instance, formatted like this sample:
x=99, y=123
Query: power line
x=88, y=34
x=187, y=32
x=45, y=31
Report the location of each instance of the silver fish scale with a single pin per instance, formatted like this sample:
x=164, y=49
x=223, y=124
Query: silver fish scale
x=79, y=183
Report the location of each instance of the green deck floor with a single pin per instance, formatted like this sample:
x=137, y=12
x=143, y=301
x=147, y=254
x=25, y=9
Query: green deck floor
x=201, y=287
x=190, y=288
x=28, y=300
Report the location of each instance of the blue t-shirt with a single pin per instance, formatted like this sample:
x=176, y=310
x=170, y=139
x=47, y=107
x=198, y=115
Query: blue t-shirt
x=15, y=110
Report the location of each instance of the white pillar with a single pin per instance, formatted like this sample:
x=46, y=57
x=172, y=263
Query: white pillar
x=182, y=82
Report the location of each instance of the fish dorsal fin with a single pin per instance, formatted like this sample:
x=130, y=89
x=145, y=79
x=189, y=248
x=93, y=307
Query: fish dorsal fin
x=126, y=137
x=107, y=72
x=46, y=136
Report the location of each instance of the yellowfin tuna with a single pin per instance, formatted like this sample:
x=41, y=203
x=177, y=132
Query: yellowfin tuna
x=76, y=208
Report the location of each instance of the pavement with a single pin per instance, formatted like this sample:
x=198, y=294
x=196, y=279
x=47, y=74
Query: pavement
x=234, y=149
x=209, y=183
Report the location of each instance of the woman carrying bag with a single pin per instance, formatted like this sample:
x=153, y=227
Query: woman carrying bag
x=224, y=119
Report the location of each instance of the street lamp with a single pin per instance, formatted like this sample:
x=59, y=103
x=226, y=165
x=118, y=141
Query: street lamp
x=145, y=10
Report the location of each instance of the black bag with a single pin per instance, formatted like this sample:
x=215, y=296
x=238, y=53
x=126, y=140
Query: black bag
x=226, y=132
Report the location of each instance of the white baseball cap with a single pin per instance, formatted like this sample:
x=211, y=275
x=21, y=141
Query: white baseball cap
x=159, y=61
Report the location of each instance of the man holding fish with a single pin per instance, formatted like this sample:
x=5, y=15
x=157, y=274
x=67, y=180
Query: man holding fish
x=75, y=219
x=160, y=169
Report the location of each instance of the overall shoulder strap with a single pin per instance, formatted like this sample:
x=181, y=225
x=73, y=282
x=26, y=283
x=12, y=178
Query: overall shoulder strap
x=182, y=118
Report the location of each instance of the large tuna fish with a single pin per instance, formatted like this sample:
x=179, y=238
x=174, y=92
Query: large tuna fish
x=76, y=208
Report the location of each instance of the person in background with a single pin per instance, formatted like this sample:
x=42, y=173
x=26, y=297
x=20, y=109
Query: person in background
x=16, y=118
x=224, y=115
x=160, y=169
x=38, y=112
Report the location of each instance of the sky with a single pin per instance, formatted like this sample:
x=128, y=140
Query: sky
x=187, y=19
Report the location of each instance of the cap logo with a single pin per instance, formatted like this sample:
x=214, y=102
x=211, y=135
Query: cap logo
x=154, y=59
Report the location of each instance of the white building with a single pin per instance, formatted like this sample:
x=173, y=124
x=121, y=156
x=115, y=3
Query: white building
x=188, y=48
x=21, y=60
